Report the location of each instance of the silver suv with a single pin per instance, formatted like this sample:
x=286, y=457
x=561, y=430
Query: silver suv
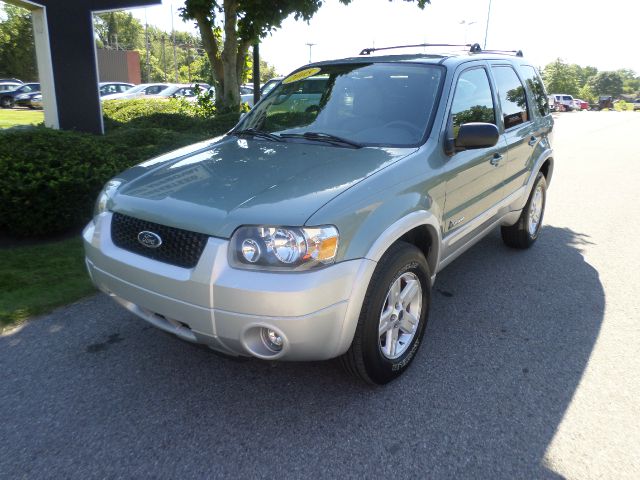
x=316, y=227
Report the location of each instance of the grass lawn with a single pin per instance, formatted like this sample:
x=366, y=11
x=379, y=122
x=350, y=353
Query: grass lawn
x=38, y=278
x=19, y=116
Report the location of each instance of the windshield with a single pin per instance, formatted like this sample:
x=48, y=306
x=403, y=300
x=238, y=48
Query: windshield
x=136, y=89
x=371, y=104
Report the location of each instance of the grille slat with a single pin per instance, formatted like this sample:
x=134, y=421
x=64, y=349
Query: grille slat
x=181, y=248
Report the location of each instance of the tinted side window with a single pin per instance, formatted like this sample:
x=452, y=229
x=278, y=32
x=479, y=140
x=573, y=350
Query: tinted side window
x=472, y=101
x=534, y=82
x=512, y=97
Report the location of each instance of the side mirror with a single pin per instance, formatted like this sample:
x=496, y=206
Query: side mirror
x=476, y=135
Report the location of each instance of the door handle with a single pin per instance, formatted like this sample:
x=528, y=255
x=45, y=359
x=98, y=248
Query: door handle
x=495, y=160
x=532, y=141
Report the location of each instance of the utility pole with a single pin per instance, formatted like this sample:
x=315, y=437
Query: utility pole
x=310, y=45
x=466, y=29
x=256, y=73
x=486, y=32
x=175, y=55
x=164, y=59
x=189, y=60
x=146, y=41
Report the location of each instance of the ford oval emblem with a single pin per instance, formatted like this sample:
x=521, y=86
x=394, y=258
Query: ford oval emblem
x=149, y=239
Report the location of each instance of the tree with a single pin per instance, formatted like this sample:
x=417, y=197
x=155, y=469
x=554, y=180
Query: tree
x=267, y=71
x=607, y=83
x=631, y=82
x=17, y=50
x=561, y=78
x=229, y=27
x=119, y=29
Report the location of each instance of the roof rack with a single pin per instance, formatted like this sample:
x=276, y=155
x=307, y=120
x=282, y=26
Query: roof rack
x=473, y=48
x=368, y=51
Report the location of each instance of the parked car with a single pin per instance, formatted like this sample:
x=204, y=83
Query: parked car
x=8, y=99
x=113, y=88
x=246, y=94
x=25, y=99
x=604, y=101
x=138, y=91
x=561, y=102
x=186, y=91
x=302, y=96
x=580, y=104
x=317, y=232
x=269, y=85
x=11, y=80
x=36, y=102
x=8, y=86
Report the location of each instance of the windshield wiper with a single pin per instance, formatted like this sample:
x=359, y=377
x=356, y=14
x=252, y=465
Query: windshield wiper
x=254, y=132
x=323, y=137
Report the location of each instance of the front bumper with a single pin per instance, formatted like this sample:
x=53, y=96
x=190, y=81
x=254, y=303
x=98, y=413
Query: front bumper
x=225, y=308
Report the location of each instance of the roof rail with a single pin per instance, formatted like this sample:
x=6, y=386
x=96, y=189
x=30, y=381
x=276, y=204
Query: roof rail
x=473, y=48
x=368, y=51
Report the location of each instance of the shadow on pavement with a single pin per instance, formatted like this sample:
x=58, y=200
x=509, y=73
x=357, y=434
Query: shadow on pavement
x=93, y=391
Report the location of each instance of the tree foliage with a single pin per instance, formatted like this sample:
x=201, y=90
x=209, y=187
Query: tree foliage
x=17, y=51
x=119, y=30
x=229, y=27
x=587, y=83
x=560, y=77
x=607, y=83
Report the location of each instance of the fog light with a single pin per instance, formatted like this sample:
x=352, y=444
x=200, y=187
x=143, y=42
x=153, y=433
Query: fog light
x=272, y=340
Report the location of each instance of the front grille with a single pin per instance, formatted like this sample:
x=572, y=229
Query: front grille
x=179, y=247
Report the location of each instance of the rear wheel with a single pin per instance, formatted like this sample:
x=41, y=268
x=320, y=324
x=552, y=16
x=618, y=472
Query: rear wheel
x=526, y=230
x=393, y=316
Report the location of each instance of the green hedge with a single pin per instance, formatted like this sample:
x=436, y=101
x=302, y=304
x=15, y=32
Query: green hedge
x=49, y=179
x=124, y=111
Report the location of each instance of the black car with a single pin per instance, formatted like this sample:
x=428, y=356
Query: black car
x=8, y=99
x=24, y=99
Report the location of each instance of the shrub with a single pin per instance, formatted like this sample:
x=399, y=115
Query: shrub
x=49, y=180
x=124, y=111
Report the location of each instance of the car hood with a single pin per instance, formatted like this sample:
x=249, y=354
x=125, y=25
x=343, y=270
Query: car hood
x=215, y=186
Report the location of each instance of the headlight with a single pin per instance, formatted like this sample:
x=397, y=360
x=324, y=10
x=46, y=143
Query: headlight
x=283, y=248
x=105, y=195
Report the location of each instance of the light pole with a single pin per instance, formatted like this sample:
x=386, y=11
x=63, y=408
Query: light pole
x=310, y=45
x=466, y=28
x=486, y=31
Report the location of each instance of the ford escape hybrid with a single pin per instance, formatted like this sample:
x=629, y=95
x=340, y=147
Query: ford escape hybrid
x=316, y=227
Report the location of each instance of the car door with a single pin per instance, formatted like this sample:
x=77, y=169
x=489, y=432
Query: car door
x=474, y=177
x=520, y=130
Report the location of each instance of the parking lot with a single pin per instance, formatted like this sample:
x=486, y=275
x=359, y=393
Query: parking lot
x=530, y=367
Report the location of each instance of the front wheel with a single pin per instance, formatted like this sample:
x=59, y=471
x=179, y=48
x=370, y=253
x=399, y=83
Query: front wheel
x=6, y=102
x=393, y=316
x=526, y=230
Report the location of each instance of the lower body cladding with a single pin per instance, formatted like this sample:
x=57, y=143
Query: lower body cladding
x=270, y=315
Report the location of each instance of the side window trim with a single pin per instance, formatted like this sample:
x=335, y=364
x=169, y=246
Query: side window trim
x=529, y=120
x=454, y=89
x=533, y=94
x=461, y=69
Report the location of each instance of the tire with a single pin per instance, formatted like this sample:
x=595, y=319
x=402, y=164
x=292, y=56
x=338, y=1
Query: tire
x=6, y=102
x=526, y=230
x=372, y=357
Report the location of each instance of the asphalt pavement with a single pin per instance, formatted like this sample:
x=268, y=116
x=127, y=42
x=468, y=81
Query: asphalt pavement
x=530, y=367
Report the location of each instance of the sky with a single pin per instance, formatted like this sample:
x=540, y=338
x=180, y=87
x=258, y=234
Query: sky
x=578, y=31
